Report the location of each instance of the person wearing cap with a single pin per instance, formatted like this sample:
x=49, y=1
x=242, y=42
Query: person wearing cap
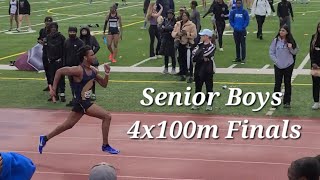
x=54, y=50
x=71, y=56
x=239, y=20
x=42, y=35
x=203, y=56
x=221, y=14
x=167, y=42
x=14, y=166
x=185, y=32
x=103, y=171
x=13, y=12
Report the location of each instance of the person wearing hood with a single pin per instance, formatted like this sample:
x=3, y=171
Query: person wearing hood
x=71, y=56
x=284, y=11
x=239, y=20
x=54, y=49
x=314, y=52
x=14, y=166
x=88, y=39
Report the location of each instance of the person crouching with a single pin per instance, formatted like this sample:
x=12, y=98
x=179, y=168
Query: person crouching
x=203, y=56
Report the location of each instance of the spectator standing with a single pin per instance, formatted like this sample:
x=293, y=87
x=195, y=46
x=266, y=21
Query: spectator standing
x=13, y=12
x=167, y=42
x=239, y=20
x=195, y=18
x=260, y=9
x=54, y=46
x=314, y=52
x=24, y=10
x=71, y=55
x=282, y=52
x=185, y=32
x=203, y=56
x=221, y=13
x=284, y=12
x=43, y=33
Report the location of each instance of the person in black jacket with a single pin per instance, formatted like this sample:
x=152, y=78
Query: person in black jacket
x=284, y=11
x=167, y=42
x=24, y=10
x=203, y=56
x=88, y=39
x=315, y=65
x=221, y=13
x=54, y=49
x=71, y=56
x=42, y=36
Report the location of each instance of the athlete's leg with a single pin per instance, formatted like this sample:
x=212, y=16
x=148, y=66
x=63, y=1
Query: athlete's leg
x=28, y=21
x=115, y=45
x=110, y=41
x=100, y=113
x=72, y=119
x=11, y=19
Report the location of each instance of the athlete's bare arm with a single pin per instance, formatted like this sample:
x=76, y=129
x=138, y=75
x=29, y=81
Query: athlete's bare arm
x=102, y=81
x=75, y=71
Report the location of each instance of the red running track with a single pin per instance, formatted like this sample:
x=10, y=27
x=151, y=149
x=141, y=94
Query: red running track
x=71, y=155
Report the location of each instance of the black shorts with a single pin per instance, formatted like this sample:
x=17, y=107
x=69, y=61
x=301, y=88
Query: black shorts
x=81, y=106
x=113, y=31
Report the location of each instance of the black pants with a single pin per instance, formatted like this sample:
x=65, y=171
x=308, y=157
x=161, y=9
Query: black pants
x=285, y=74
x=221, y=25
x=315, y=88
x=154, y=33
x=208, y=81
x=173, y=61
x=271, y=5
x=184, y=70
x=240, y=40
x=46, y=68
x=53, y=67
x=260, y=21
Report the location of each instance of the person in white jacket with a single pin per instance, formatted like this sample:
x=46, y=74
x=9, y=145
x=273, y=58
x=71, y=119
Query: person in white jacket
x=260, y=9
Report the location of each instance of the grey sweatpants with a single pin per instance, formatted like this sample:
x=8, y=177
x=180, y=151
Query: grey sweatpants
x=286, y=21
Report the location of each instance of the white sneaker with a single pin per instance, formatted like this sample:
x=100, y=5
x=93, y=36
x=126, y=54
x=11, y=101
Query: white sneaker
x=221, y=49
x=316, y=106
x=274, y=14
x=29, y=29
x=209, y=108
x=194, y=107
x=159, y=56
x=154, y=57
x=173, y=71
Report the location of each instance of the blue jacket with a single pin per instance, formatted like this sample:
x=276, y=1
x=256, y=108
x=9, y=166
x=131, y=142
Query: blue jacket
x=16, y=167
x=239, y=19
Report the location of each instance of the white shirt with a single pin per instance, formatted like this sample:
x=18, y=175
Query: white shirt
x=13, y=8
x=261, y=8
